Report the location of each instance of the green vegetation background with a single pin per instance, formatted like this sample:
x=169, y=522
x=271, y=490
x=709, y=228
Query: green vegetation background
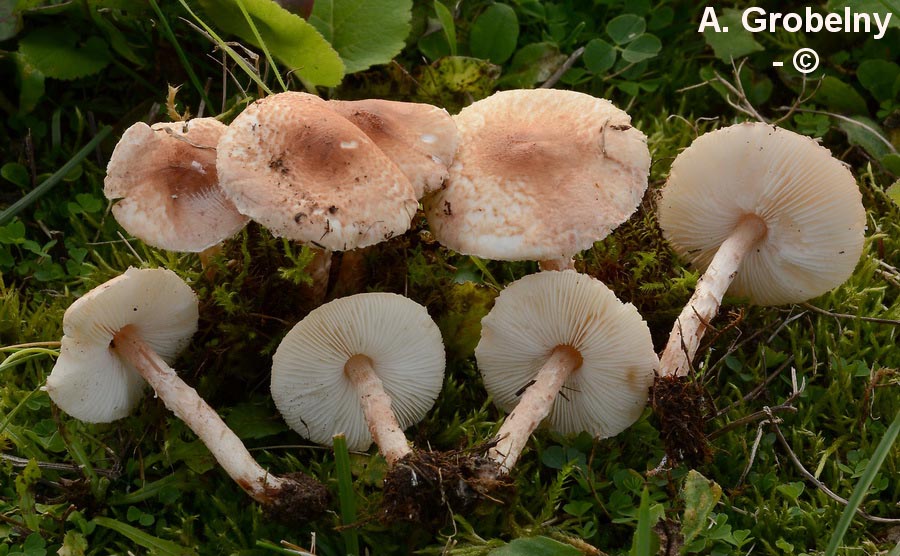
x=146, y=485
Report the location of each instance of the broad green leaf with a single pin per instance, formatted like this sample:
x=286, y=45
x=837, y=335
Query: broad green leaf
x=15, y=173
x=894, y=192
x=533, y=63
x=59, y=53
x=625, y=28
x=290, y=39
x=447, y=24
x=535, y=546
x=364, y=33
x=494, y=34
x=31, y=84
x=735, y=43
x=700, y=496
x=74, y=544
x=891, y=162
x=599, y=55
x=867, y=134
x=879, y=76
x=155, y=545
x=838, y=96
x=869, y=7
x=792, y=490
x=642, y=48
x=10, y=19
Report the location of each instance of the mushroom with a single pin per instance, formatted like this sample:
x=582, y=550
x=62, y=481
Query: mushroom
x=540, y=174
x=421, y=139
x=766, y=214
x=560, y=346
x=127, y=331
x=306, y=173
x=165, y=180
x=368, y=365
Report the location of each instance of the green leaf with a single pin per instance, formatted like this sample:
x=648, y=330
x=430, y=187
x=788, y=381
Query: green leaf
x=869, y=7
x=346, y=495
x=643, y=535
x=867, y=134
x=364, y=33
x=535, y=546
x=838, y=96
x=494, y=34
x=455, y=81
x=59, y=53
x=894, y=192
x=154, y=544
x=879, y=76
x=254, y=420
x=642, y=48
x=891, y=162
x=532, y=63
x=791, y=490
x=288, y=37
x=10, y=19
x=15, y=173
x=599, y=55
x=625, y=28
x=447, y=24
x=700, y=496
x=734, y=43
x=74, y=544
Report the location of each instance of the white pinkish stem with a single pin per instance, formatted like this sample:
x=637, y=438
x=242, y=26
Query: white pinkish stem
x=376, y=405
x=557, y=264
x=704, y=304
x=188, y=406
x=319, y=270
x=534, y=406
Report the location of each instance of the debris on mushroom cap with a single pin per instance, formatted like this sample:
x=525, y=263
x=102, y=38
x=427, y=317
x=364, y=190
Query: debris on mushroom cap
x=168, y=189
x=89, y=381
x=306, y=173
x=538, y=313
x=420, y=138
x=309, y=384
x=539, y=174
x=808, y=200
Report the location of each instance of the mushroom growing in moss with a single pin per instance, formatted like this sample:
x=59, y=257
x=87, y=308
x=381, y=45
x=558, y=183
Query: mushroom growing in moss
x=765, y=214
x=540, y=175
x=127, y=331
x=560, y=347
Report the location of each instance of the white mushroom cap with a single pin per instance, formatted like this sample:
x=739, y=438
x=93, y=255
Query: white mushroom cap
x=89, y=381
x=306, y=173
x=542, y=311
x=809, y=202
x=168, y=189
x=540, y=174
x=420, y=138
x=309, y=385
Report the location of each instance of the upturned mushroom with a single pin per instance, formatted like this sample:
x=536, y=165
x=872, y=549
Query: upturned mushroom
x=766, y=214
x=560, y=347
x=128, y=331
x=368, y=366
x=539, y=175
x=165, y=184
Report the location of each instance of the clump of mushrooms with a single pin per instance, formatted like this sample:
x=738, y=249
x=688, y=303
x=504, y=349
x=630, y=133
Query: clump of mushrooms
x=539, y=175
x=560, y=347
x=128, y=331
x=766, y=214
x=336, y=176
x=166, y=186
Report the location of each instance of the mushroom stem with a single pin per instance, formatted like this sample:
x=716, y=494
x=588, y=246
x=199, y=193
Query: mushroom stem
x=704, y=304
x=534, y=406
x=188, y=406
x=376, y=404
x=557, y=264
x=319, y=270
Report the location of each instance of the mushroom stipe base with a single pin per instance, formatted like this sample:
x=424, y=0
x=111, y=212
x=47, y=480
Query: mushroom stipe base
x=301, y=499
x=427, y=487
x=681, y=403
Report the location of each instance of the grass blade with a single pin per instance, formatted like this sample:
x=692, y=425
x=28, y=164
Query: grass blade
x=262, y=44
x=446, y=19
x=862, y=486
x=346, y=495
x=57, y=177
x=641, y=544
x=155, y=545
x=167, y=31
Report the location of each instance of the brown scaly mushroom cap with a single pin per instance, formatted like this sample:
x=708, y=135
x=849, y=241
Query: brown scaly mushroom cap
x=540, y=174
x=166, y=183
x=420, y=138
x=306, y=173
